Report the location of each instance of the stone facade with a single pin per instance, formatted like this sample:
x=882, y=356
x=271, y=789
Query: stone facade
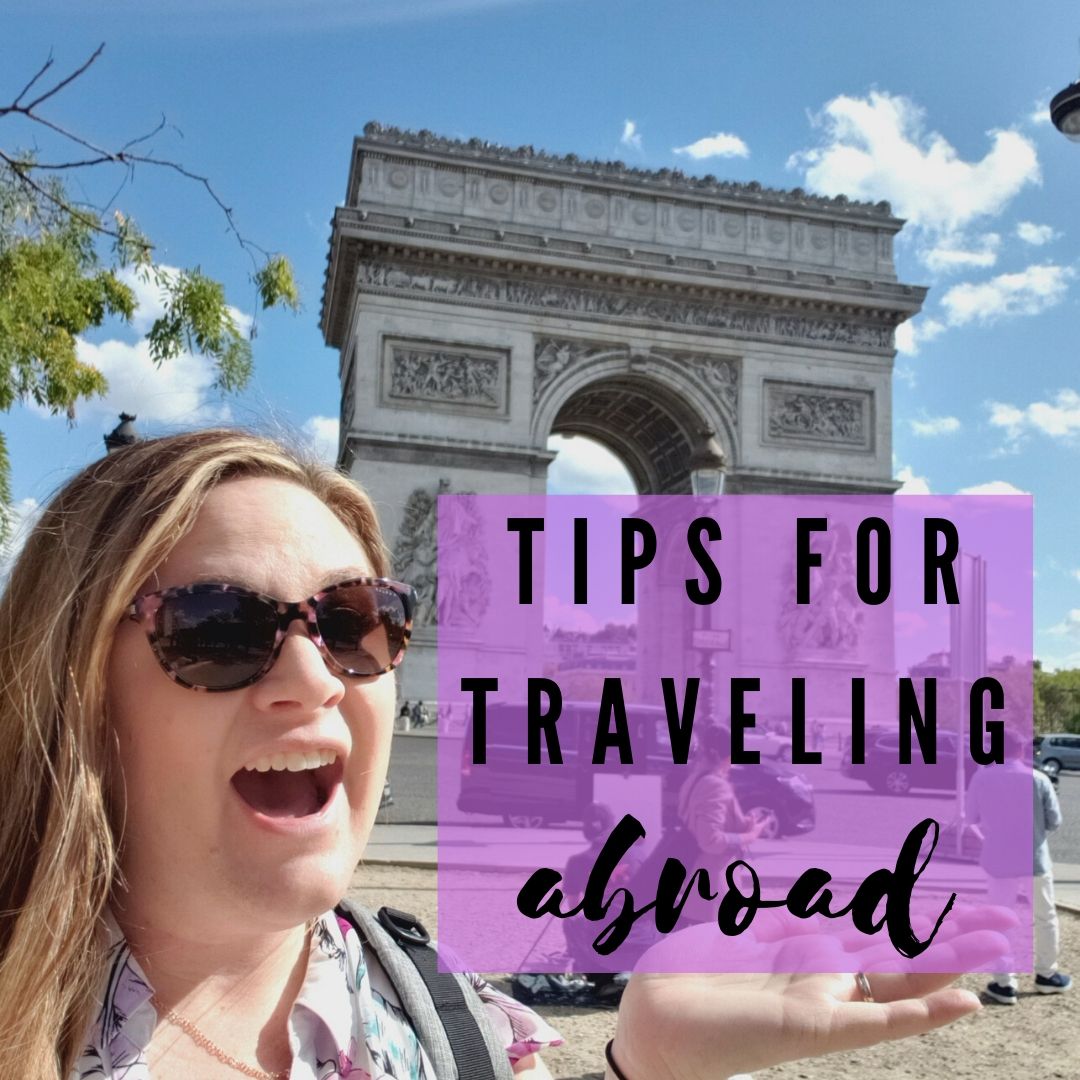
x=484, y=297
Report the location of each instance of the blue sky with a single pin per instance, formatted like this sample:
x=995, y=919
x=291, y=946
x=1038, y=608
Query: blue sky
x=939, y=107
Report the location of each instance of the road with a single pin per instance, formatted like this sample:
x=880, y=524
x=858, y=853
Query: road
x=848, y=812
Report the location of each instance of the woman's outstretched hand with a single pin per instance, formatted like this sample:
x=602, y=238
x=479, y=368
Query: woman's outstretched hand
x=704, y=1027
x=708, y=1026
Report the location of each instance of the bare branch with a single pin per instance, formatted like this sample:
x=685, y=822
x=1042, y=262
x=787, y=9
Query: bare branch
x=41, y=71
x=89, y=220
x=149, y=135
x=68, y=164
x=66, y=81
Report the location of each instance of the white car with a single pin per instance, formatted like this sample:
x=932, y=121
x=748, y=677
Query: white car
x=771, y=747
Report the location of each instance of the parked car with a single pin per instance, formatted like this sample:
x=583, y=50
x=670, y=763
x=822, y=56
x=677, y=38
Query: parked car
x=530, y=795
x=883, y=771
x=1053, y=753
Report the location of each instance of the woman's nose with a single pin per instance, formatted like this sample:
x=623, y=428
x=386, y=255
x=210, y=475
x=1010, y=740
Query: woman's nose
x=299, y=678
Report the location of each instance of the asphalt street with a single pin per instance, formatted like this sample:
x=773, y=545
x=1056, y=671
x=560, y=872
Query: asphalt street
x=847, y=811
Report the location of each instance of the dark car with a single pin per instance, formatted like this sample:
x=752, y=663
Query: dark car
x=532, y=795
x=883, y=770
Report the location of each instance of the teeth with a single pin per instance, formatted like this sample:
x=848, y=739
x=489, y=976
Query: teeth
x=294, y=762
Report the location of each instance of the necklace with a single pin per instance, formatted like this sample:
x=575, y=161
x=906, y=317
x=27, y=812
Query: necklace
x=205, y=1043
x=212, y=1048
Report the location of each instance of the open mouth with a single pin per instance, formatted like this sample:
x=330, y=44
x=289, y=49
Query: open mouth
x=289, y=785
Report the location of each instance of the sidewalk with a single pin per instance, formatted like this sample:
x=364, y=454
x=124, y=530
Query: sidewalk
x=506, y=848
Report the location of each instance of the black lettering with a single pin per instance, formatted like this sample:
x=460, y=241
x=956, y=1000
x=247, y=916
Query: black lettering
x=937, y=563
x=630, y=562
x=868, y=527
x=799, y=754
x=977, y=727
x=804, y=557
x=480, y=689
x=912, y=718
x=612, y=707
x=680, y=724
x=714, y=583
x=525, y=527
x=741, y=720
x=541, y=721
x=581, y=560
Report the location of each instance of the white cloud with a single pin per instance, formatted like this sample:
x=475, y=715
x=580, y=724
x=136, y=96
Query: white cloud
x=584, y=467
x=913, y=334
x=1034, y=234
x=878, y=147
x=936, y=425
x=1040, y=111
x=956, y=251
x=175, y=394
x=630, y=135
x=150, y=300
x=322, y=432
x=993, y=487
x=912, y=484
x=24, y=515
x=1075, y=573
x=722, y=144
x=1059, y=418
x=1027, y=292
x=1069, y=626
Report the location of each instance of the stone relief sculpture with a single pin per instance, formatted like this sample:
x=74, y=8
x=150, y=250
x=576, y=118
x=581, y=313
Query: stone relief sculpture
x=464, y=596
x=438, y=375
x=623, y=305
x=833, y=620
x=801, y=413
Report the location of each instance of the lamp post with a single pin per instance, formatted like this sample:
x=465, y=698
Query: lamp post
x=1065, y=111
x=708, y=469
x=124, y=434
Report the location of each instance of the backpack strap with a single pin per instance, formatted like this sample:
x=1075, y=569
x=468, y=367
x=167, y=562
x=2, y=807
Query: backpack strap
x=443, y=1007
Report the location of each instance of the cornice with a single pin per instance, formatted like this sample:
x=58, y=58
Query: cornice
x=480, y=152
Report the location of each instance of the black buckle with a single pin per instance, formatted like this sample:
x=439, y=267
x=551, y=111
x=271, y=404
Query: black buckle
x=404, y=928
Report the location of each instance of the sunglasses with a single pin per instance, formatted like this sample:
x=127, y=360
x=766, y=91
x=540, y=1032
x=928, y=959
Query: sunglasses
x=211, y=636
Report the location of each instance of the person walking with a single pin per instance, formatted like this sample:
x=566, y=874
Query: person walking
x=991, y=797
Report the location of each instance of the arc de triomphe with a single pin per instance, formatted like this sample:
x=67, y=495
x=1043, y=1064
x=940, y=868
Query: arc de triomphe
x=483, y=298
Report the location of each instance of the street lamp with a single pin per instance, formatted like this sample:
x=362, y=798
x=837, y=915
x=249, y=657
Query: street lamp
x=1065, y=111
x=124, y=434
x=708, y=467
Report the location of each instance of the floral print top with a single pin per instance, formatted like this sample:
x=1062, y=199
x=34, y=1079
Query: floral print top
x=347, y=1020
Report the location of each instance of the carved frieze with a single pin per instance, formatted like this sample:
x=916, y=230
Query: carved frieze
x=621, y=305
x=827, y=416
x=553, y=356
x=461, y=378
x=463, y=597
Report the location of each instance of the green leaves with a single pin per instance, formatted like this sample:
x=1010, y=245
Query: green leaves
x=55, y=284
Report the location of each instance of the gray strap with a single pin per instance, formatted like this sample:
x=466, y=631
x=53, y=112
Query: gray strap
x=416, y=1001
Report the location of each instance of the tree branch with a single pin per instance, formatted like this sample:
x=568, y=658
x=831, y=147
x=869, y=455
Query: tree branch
x=63, y=82
x=41, y=71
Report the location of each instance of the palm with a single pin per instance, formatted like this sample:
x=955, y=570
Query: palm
x=699, y=1027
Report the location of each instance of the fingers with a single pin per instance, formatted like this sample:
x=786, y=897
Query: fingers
x=859, y=1024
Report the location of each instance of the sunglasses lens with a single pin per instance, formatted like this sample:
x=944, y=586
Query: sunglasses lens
x=215, y=639
x=364, y=627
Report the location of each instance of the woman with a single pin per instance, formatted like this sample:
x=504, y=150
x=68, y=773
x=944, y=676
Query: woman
x=191, y=771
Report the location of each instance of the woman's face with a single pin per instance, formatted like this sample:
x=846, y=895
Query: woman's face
x=207, y=837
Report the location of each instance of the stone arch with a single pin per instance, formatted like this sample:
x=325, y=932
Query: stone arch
x=647, y=408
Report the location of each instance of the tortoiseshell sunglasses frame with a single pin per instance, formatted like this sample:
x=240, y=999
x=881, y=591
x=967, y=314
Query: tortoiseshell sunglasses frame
x=144, y=609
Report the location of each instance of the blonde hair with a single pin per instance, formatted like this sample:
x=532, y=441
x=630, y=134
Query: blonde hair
x=96, y=542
